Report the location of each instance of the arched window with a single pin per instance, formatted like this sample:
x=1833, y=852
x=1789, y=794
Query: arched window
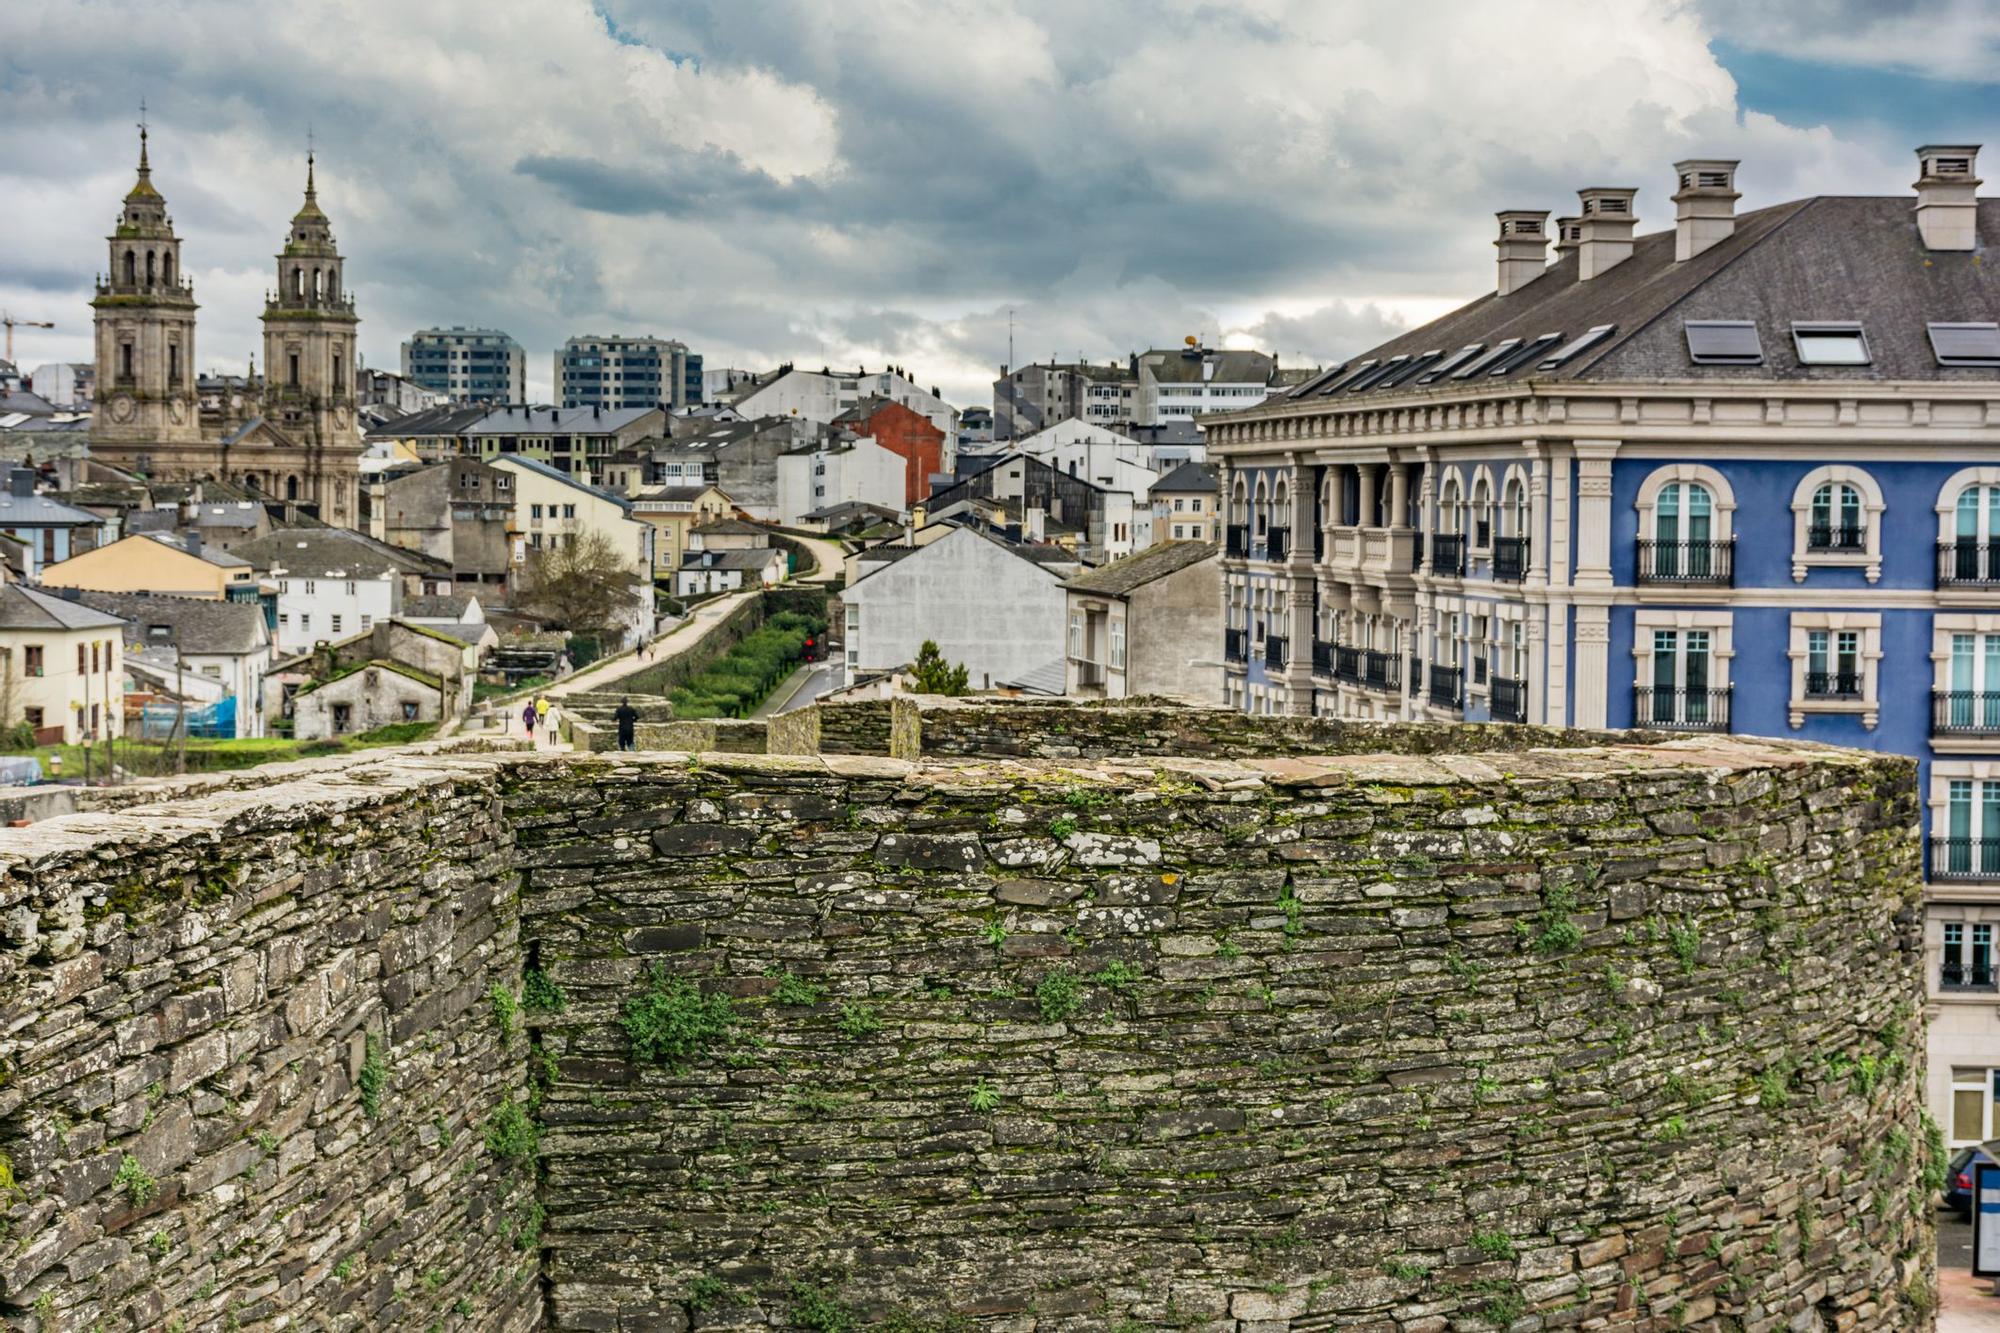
x=333, y=283
x=1969, y=522
x=1280, y=507
x=1836, y=523
x=1258, y=516
x=131, y=269
x=167, y=268
x=1514, y=513
x=299, y=283
x=1451, y=506
x=151, y=276
x=316, y=285
x=1482, y=510
x=1685, y=533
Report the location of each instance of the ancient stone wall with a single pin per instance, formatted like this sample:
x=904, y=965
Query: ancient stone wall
x=250, y=1059
x=1600, y=1036
x=1596, y=1036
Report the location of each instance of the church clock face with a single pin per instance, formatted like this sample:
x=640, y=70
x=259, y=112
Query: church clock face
x=121, y=407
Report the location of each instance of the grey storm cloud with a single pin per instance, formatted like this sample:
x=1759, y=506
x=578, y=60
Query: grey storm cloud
x=878, y=181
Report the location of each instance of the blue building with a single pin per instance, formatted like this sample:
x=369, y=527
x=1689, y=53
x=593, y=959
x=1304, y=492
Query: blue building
x=467, y=365
x=1741, y=475
x=616, y=372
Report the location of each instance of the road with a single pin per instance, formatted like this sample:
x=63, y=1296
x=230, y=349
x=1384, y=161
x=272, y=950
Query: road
x=797, y=690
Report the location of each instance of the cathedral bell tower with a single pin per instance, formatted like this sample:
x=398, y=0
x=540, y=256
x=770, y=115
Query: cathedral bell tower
x=309, y=377
x=147, y=407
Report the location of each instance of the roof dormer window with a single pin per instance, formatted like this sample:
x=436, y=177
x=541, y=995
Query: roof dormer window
x=1830, y=343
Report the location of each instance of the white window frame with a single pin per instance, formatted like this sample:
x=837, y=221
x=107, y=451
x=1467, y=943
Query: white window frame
x=1117, y=624
x=1076, y=636
x=1720, y=625
x=1869, y=559
x=1869, y=624
x=1943, y=773
x=1723, y=515
x=1483, y=501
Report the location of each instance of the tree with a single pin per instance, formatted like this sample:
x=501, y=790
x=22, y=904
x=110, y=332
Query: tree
x=584, y=585
x=937, y=676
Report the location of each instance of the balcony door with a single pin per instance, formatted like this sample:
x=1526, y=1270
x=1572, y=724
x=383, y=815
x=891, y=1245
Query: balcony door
x=1972, y=827
x=1681, y=661
x=1977, y=528
x=1684, y=531
x=1975, y=681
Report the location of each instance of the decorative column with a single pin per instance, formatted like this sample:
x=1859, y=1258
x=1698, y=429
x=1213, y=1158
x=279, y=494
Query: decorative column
x=1591, y=683
x=1301, y=592
x=1538, y=512
x=1399, y=495
x=1366, y=518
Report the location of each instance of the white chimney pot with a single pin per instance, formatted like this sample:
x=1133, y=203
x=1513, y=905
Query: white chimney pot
x=1523, y=247
x=1608, y=223
x=1948, y=196
x=1704, y=205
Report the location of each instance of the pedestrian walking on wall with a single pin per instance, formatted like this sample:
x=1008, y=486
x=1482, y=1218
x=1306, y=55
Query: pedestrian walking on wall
x=627, y=718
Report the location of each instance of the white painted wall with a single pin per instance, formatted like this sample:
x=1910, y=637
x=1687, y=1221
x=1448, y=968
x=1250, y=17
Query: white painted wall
x=1000, y=615
x=821, y=398
x=315, y=609
x=867, y=473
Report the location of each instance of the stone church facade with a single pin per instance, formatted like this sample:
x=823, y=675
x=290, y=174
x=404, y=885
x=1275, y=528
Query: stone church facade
x=300, y=441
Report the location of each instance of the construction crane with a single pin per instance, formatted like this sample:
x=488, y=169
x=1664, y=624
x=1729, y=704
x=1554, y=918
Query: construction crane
x=10, y=322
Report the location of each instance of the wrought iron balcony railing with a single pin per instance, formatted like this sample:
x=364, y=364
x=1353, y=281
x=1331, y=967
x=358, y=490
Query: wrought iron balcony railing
x=1965, y=713
x=1681, y=710
x=1710, y=564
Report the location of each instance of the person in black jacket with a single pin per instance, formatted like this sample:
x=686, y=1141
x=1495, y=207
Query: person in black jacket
x=628, y=720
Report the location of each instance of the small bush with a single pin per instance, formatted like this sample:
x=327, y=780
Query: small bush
x=374, y=1078
x=135, y=1180
x=673, y=1022
x=1558, y=933
x=858, y=1020
x=505, y=1009
x=797, y=992
x=1061, y=827
x=1685, y=937
x=984, y=1097
x=1059, y=996
x=707, y=1292
x=540, y=995
x=511, y=1134
x=1118, y=975
x=815, y=1308
x=1493, y=1244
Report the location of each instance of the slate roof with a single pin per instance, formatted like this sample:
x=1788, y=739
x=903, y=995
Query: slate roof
x=1187, y=479
x=1231, y=367
x=557, y=474
x=1828, y=257
x=1121, y=577
x=757, y=557
x=239, y=514
x=731, y=527
x=333, y=553
x=41, y=511
x=520, y=419
x=449, y=419
x=400, y=668
x=226, y=628
x=437, y=606
x=25, y=608
x=684, y=493
x=215, y=555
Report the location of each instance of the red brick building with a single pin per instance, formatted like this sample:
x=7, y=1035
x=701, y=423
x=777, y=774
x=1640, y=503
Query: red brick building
x=900, y=431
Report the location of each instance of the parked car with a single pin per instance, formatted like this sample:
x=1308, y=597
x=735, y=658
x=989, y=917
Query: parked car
x=1958, y=1176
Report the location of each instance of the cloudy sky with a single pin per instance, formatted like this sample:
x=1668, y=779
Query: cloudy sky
x=882, y=181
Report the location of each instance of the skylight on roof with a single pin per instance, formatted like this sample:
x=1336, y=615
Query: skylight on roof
x=1394, y=363
x=1318, y=380
x=1480, y=363
x=1451, y=363
x=1597, y=334
x=1966, y=344
x=1361, y=369
x=1830, y=344
x=1723, y=342
x=1416, y=365
x=1524, y=354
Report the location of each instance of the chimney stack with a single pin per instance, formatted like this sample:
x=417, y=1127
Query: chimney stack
x=1569, y=232
x=1704, y=206
x=1607, y=224
x=1523, y=246
x=1948, y=196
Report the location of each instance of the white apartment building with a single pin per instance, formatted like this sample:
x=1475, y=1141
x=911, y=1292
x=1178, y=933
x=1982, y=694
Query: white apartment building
x=828, y=473
x=822, y=395
x=551, y=510
x=61, y=667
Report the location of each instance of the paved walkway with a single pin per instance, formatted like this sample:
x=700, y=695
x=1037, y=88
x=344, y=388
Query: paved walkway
x=1966, y=1304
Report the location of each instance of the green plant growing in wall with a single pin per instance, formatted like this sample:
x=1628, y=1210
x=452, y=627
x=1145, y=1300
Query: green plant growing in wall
x=817, y=1309
x=1493, y=1244
x=344, y=1269
x=1685, y=938
x=814, y=1102
x=374, y=1077
x=996, y=933
x=1058, y=996
x=796, y=992
x=1774, y=1086
x=540, y=994
x=511, y=1134
x=707, y=1292
x=858, y=1019
x=984, y=1097
x=1294, y=910
x=673, y=1023
x=1405, y=1270
x=1934, y=1155
x=505, y=1009
x=1553, y=931
x=1504, y=1303
x=1061, y=827
x=1118, y=975
x=135, y=1180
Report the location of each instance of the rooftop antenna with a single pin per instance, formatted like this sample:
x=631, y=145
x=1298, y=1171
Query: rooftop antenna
x=1010, y=337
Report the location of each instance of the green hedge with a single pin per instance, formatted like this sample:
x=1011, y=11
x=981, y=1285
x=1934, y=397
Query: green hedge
x=735, y=683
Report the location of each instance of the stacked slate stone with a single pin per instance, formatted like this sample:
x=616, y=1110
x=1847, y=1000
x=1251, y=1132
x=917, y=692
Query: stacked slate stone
x=1598, y=1034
